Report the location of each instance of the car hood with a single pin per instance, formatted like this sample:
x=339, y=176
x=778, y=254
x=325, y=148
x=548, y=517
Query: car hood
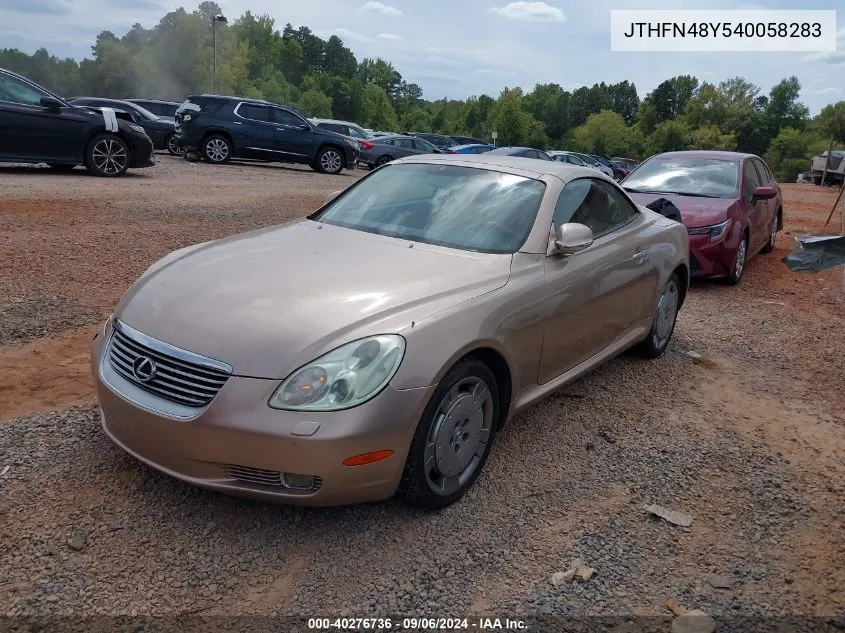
x=272, y=300
x=695, y=212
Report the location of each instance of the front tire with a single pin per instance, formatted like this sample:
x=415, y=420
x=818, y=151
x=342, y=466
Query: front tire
x=216, y=149
x=739, y=263
x=773, y=234
x=454, y=437
x=329, y=161
x=107, y=156
x=665, y=317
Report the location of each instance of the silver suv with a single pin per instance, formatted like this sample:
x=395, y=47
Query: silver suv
x=352, y=130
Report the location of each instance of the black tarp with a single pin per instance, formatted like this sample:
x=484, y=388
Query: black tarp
x=666, y=208
x=816, y=253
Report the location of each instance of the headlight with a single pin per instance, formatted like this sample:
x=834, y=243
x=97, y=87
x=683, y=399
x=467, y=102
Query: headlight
x=345, y=377
x=137, y=128
x=716, y=231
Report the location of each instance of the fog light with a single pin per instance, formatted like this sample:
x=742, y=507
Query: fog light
x=299, y=482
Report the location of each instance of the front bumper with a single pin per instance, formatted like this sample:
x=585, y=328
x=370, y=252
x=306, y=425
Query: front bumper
x=712, y=260
x=143, y=154
x=238, y=439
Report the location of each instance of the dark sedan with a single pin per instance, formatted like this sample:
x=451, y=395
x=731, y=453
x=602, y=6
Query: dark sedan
x=38, y=126
x=381, y=150
x=440, y=141
x=163, y=109
x=162, y=131
x=730, y=203
x=521, y=152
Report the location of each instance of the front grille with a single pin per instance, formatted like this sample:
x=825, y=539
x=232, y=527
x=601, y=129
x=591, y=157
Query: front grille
x=175, y=379
x=262, y=477
x=694, y=265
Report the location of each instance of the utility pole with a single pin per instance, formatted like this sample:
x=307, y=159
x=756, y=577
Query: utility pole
x=222, y=19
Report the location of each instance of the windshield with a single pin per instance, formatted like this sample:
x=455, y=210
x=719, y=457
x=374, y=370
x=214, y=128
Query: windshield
x=588, y=159
x=142, y=111
x=690, y=176
x=446, y=205
x=603, y=161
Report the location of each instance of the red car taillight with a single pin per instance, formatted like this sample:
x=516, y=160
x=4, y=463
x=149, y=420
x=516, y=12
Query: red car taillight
x=366, y=145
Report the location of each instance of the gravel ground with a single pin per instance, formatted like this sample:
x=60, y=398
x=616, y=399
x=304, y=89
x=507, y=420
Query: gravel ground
x=749, y=439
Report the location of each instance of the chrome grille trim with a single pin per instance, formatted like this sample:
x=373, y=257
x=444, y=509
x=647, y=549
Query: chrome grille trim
x=262, y=477
x=181, y=376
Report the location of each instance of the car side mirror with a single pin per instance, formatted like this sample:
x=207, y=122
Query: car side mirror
x=571, y=238
x=764, y=193
x=49, y=103
x=332, y=196
x=304, y=127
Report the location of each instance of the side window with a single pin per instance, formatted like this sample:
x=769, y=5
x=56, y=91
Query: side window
x=404, y=142
x=750, y=179
x=423, y=145
x=16, y=91
x=357, y=132
x=763, y=171
x=254, y=112
x=289, y=118
x=594, y=203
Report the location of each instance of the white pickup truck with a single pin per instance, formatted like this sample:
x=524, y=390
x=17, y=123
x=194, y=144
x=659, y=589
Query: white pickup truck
x=835, y=168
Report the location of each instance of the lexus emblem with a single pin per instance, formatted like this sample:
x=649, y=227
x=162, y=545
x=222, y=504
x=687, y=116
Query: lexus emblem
x=144, y=368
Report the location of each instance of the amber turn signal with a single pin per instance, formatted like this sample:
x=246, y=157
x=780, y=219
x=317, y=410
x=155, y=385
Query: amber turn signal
x=367, y=458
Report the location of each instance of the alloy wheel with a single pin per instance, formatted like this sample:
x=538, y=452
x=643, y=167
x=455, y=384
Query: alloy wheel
x=741, y=254
x=109, y=156
x=458, y=438
x=173, y=146
x=217, y=150
x=331, y=161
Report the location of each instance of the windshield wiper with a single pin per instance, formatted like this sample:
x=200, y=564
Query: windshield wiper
x=672, y=193
x=689, y=193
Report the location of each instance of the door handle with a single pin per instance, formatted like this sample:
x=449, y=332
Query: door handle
x=640, y=256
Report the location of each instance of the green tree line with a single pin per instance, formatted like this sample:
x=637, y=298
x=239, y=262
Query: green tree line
x=324, y=78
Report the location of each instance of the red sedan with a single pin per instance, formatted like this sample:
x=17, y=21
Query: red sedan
x=729, y=202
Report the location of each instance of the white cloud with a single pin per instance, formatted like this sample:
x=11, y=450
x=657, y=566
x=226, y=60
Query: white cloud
x=748, y=6
x=389, y=36
x=346, y=34
x=432, y=49
x=381, y=7
x=531, y=12
x=829, y=91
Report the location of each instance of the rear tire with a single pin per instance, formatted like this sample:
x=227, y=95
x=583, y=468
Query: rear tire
x=107, y=156
x=665, y=317
x=216, y=149
x=174, y=147
x=454, y=437
x=383, y=159
x=329, y=161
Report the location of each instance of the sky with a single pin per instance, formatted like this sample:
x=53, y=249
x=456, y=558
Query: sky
x=458, y=48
